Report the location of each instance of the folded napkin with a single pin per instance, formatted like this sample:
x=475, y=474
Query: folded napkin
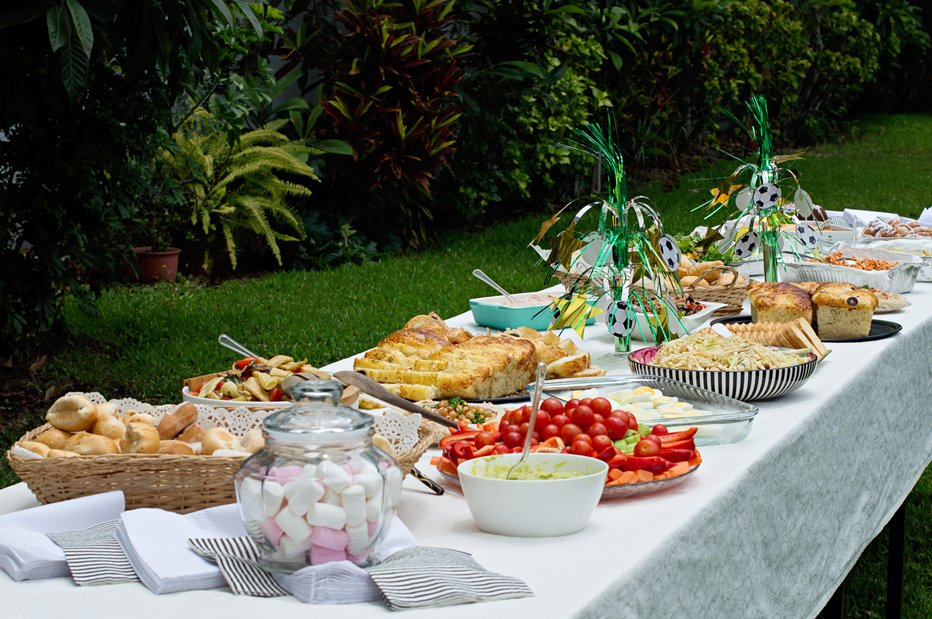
x=156, y=543
x=27, y=553
x=338, y=582
x=94, y=555
x=926, y=217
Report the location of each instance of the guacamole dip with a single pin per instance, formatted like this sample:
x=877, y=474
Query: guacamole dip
x=493, y=469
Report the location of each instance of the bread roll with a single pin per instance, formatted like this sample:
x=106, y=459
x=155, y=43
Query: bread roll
x=384, y=444
x=72, y=413
x=219, y=438
x=175, y=422
x=134, y=417
x=54, y=438
x=109, y=426
x=85, y=444
x=36, y=448
x=108, y=408
x=778, y=302
x=192, y=434
x=175, y=447
x=140, y=438
x=253, y=440
x=61, y=453
x=689, y=281
x=725, y=279
x=843, y=313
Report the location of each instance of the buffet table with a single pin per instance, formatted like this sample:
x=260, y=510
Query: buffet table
x=767, y=527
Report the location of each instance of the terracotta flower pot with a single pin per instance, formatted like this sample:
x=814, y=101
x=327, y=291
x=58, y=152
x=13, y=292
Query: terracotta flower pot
x=155, y=266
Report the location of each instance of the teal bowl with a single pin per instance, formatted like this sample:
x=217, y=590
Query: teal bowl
x=490, y=312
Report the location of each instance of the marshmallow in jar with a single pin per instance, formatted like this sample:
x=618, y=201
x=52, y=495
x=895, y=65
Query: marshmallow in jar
x=320, y=490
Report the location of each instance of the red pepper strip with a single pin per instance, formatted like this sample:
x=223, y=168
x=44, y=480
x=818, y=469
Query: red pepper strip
x=677, y=455
x=458, y=436
x=276, y=394
x=617, y=461
x=242, y=363
x=674, y=437
x=488, y=450
x=654, y=464
x=462, y=451
x=607, y=454
x=689, y=444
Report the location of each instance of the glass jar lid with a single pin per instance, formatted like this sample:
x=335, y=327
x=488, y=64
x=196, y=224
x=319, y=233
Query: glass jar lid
x=317, y=416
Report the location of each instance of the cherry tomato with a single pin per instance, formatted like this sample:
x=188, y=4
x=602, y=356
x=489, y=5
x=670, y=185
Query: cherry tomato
x=511, y=428
x=553, y=406
x=659, y=429
x=597, y=418
x=522, y=429
x=550, y=430
x=484, y=438
x=583, y=416
x=652, y=438
x=601, y=406
x=582, y=438
x=600, y=443
x=543, y=419
x=597, y=429
x=632, y=422
x=616, y=427
x=560, y=420
x=571, y=404
x=275, y=395
x=581, y=449
x=585, y=402
x=568, y=431
x=501, y=449
x=645, y=448
x=513, y=439
x=525, y=414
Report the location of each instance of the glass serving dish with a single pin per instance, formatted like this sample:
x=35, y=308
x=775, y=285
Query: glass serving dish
x=720, y=419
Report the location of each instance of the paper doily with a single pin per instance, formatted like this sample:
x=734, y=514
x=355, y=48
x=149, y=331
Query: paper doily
x=399, y=429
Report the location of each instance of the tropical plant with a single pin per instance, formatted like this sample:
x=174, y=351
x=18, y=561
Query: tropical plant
x=239, y=187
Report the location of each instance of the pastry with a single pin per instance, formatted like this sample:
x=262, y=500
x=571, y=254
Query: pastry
x=778, y=302
x=54, y=438
x=174, y=447
x=140, y=438
x=175, y=422
x=86, y=444
x=219, y=438
x=72, y=413
x=109, y=426
x=841, y=314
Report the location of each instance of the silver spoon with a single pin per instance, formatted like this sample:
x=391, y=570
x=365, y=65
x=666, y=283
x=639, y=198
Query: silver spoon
x=482, y=277
x=229, y=343
x=535, y=405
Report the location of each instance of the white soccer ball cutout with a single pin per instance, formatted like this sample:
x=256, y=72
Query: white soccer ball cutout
x=746, y=244
x=766, y=195
x=669, y=251
x=803, y=204
x=620, y=323
x=743, y=199
x=807, y=236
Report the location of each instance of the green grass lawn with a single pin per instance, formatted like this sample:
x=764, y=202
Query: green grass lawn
x=146, y=339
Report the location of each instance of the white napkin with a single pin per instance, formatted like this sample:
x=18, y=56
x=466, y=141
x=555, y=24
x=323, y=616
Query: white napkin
x=25, y=551
x=858, y=218
x=926, y=218
x=156, y=543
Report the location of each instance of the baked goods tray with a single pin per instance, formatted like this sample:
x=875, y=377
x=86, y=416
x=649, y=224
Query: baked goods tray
x=720, y=419
x=900, y=279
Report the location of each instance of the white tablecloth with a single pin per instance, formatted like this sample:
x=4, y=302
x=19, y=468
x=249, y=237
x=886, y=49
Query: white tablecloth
x=767, y=527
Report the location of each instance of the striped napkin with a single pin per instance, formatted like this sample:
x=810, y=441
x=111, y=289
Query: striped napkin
x=94, y=555
x=415, y=577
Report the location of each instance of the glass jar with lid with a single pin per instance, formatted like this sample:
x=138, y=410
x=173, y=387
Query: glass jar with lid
x=319, y=491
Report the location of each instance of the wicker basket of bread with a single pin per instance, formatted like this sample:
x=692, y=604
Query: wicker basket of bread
x=713, y=282
x=179, y=458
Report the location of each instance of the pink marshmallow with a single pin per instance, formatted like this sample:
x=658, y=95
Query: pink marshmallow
x=360, y=558
x=272, y=531
x=332, y=539
x=284, y=474
x=346, y=467
x=320, y=555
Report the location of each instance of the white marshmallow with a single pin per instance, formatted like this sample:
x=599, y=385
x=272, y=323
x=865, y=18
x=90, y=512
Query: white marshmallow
x=326, y=515
x=289, y=548
x=333, y=475
x=272, y=496
x=358, y=538
x=250, y=496
x=392, y=486
x=307, y=494
x=295, y=527
x=354, y=502
x=371, y=481
x=309, y=470
x=332, y=497
x=373, y=510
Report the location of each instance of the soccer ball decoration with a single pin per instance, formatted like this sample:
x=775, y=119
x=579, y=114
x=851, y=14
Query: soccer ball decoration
x=767, y=195
x=746, y=244
x=807, y=236
x=669, y=251
x=620, y=323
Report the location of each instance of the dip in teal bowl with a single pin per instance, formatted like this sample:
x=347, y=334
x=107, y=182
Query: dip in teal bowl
x=533, y=310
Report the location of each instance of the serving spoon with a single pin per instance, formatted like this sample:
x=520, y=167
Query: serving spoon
x=482, y=277
x=535, y=405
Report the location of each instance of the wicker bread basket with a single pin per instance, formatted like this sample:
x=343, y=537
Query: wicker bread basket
x=173, y=482
x=732, y=295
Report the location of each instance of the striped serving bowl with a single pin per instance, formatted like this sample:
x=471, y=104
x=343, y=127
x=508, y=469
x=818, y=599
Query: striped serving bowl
x=744, y=385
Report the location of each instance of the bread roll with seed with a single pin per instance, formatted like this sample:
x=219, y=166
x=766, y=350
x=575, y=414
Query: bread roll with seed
x=54, y=438
x=109, y=426
x=219, y=438
x=72, y=413
x=175, y=422
x=86, y=444
x=140, y=438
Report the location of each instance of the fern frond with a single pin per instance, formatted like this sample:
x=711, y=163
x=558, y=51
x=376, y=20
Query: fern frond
x=231, y=244
x=262, y=136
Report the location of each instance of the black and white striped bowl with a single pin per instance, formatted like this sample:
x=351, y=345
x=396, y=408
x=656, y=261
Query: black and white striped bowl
x=744, y=385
